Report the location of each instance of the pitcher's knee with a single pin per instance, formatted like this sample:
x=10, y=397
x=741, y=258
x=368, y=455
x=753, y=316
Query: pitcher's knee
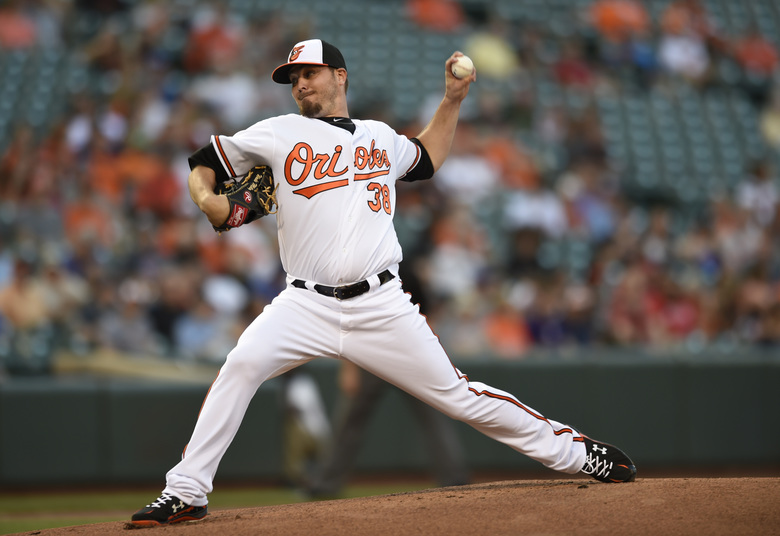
x=242, y=364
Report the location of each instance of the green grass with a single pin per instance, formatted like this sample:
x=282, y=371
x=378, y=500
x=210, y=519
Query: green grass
x=29, y=511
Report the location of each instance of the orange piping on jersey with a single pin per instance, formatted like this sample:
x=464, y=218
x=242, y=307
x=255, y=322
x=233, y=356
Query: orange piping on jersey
x=224, y=157
x=414, y=164
x=311, y=191
x=367, y=176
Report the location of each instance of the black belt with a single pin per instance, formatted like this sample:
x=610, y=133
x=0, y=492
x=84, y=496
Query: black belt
x=347, y=291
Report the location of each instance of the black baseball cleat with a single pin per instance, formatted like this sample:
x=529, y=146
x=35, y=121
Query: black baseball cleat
x=165, y=510
x=607, y=463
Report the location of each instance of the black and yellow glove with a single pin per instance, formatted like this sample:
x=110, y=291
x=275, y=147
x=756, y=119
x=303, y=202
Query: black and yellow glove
x=251, y=197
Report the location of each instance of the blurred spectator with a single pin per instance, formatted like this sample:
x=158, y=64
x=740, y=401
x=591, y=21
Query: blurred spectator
x=506, y=331
x=26, y=332
x=177, y=295
x=696, y=251
x=618, y=20
x=112, y=123
x=572, y=68
x=522, y=256
x=579, y=314
x=124, y=325
x=23, y=301
x=307, y=430
x=216, y=36
x=633, y=308
x=436, y=15
x=683, y=54
x=529, y=45
x=585, y=139
x=643, y=59
x=17, y=28
x=758, y=193
x=89, y=218
x=622, y=36
x=65, y=294
x=155, y=189
x=103, y=171
x=460, y=253
x=535, y=207
x=655, y=242
x=736, y=234
x=81, y=125
x=589, y=200
x=679, y=314
x=545, y=316
x=758, y=57
x=160, y=35
x=231, y=91
x=17, y=164
x=755, y=300
x=716, y=320
x=692, y=16
x=105, y=53
x=492, y=51
x=561, y=313
x=756, y=54
x=769, y=120
x=151, y=119
x=467, y=176
x=201, y=333
x=551, y=126
x=226, y=293
x=515, y=164
x=49, y=17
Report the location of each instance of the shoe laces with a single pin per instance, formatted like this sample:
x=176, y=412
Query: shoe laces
x=160, y=501
x=594, y=465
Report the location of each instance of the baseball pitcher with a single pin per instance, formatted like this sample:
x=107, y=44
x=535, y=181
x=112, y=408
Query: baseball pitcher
x=332, y=182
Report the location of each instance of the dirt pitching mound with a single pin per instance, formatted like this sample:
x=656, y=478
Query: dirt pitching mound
x=650, y=506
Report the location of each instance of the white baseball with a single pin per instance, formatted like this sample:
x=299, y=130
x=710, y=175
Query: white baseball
x=462, y=67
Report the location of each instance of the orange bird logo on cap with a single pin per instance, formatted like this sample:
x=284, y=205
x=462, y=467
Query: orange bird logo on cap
x=296, y=51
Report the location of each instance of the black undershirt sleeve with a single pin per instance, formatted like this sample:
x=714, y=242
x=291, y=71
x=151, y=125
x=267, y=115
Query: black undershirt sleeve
x=424, y=168
x=207, y=156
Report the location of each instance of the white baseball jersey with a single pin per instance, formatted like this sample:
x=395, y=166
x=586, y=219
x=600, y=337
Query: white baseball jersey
x=322, y=169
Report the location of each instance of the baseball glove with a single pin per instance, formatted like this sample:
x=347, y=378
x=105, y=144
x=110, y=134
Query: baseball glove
x=251, y=197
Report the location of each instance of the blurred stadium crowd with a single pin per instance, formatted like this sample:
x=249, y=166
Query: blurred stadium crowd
x=613, y=182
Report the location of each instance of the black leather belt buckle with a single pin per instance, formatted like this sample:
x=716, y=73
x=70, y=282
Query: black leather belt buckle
x=351, y=291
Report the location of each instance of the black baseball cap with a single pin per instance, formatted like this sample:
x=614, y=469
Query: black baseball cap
x=311, y=52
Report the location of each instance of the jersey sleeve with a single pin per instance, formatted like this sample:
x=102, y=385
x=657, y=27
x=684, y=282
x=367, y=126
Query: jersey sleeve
x=413, y=160
x=423, y=168
x=245, y=149
x=207, y=156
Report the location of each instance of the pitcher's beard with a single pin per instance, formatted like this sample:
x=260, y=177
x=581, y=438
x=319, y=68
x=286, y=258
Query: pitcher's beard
x=310, y=109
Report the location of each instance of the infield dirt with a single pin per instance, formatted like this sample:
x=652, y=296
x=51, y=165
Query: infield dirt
x=650, y=506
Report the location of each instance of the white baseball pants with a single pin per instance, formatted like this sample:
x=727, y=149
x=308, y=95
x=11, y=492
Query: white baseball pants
x=382, y=332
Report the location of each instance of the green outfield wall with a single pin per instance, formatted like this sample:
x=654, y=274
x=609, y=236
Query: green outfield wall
x=666, y=412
